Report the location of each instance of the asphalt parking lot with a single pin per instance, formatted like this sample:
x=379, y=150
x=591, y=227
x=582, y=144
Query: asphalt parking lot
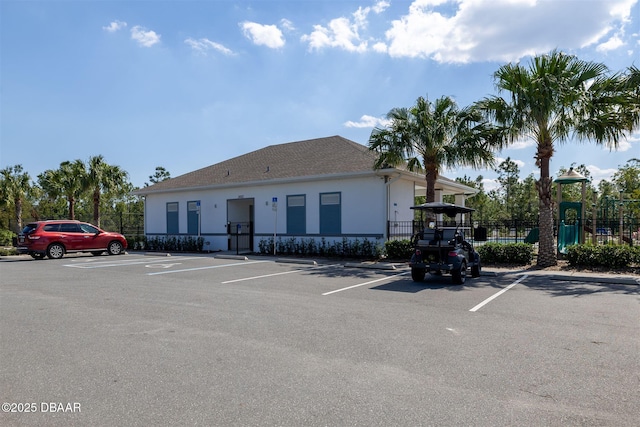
x=200, y=340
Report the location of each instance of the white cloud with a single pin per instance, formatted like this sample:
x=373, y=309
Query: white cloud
x=598, y=174
x=503, y=30
x=204, y=44
x=626, y=144
x=115, y=26
x=612, y=44
x=144, y=37
x=381, y=6
x=267, y=35
x=368, y=122
x=519, y=163
x=490, y=184
x=521, y=144
x=344, y=33
x=340, y=33
x=287, y=25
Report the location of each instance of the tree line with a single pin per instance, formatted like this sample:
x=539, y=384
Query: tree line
x=516, y=197
x=76, y=188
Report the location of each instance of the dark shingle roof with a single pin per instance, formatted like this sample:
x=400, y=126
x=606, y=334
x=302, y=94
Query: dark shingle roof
x=315, y=157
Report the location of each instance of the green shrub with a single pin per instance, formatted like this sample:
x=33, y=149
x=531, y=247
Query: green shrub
x=8, y=251
x=507, y=253
x=398, y=249
x=174, y=244
x=309, y=247
x=136, y=243
x=613, y=256
x=6, y=237
x=636, y=255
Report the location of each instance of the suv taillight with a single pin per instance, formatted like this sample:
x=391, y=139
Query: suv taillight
x=453, y=254
x=30, y=237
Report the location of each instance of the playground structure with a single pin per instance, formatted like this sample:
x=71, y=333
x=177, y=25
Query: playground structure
x=570, y=232
x=572, y=224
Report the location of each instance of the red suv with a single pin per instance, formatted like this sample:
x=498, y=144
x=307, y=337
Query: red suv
x=55, y=238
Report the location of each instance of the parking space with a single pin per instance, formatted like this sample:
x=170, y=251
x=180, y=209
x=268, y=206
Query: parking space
x=329, y=279
x=150, y=340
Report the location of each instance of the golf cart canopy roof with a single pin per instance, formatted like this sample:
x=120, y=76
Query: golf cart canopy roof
x=448, y=209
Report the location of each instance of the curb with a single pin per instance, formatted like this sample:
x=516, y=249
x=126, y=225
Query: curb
x=238, y=257
x=155, y=254
x=374, y=266
x=296, y=261
x=622, y=280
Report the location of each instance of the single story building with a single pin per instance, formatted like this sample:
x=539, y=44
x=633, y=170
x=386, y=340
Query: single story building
x=318, y=188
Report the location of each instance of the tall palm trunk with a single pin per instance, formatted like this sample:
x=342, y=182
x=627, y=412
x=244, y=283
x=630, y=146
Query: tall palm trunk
x=72, y=208
x=18, y=205
x=546, y=250
x=96, y=206
x=431, y=175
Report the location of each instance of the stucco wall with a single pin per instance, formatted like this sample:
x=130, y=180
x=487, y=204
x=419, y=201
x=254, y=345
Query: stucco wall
x=363, y=200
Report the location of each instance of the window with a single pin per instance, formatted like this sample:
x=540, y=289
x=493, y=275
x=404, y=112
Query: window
x=66, y=227
x=296, y=214
x=86, y=228
x=193, y=217
x=172, y=218
x=330, y=213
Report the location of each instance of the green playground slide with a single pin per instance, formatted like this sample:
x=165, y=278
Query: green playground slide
x=567, y=235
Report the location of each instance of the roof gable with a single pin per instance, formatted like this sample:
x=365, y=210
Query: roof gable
x=314, y=157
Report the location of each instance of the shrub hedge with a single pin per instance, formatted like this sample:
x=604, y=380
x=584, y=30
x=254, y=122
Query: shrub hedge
x=170, y=244
x=310, y=247
x=8, y=251
x=603, y=256
x=398, y=249
x=507, y=253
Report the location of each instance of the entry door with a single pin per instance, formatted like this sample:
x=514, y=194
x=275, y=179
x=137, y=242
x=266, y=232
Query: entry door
x=240, y=226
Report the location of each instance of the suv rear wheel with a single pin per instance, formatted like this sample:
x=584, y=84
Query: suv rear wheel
x=55, y=251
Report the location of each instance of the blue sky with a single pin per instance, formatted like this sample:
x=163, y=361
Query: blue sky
x=187, y=84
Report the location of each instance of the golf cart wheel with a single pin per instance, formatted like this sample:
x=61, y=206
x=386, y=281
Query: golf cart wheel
x=475, y=269
x=459, y=276
x=417, y=274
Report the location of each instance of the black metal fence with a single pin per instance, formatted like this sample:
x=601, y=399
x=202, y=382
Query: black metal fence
x=626, y=231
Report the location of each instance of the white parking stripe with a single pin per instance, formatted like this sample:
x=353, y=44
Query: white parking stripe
x=260, y=277
x=491, y=298
x=102, y=264
x=205, y=268
x=363, y=284
x=278, y=274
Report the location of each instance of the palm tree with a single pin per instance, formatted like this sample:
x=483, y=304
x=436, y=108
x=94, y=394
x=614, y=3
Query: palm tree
x=102, y=178
x=556, y=97
x=430, y=136
x=16, y=186
x=68, y=181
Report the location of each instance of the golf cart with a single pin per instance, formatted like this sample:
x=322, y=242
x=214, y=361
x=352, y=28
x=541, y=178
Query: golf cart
x=443, y=249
